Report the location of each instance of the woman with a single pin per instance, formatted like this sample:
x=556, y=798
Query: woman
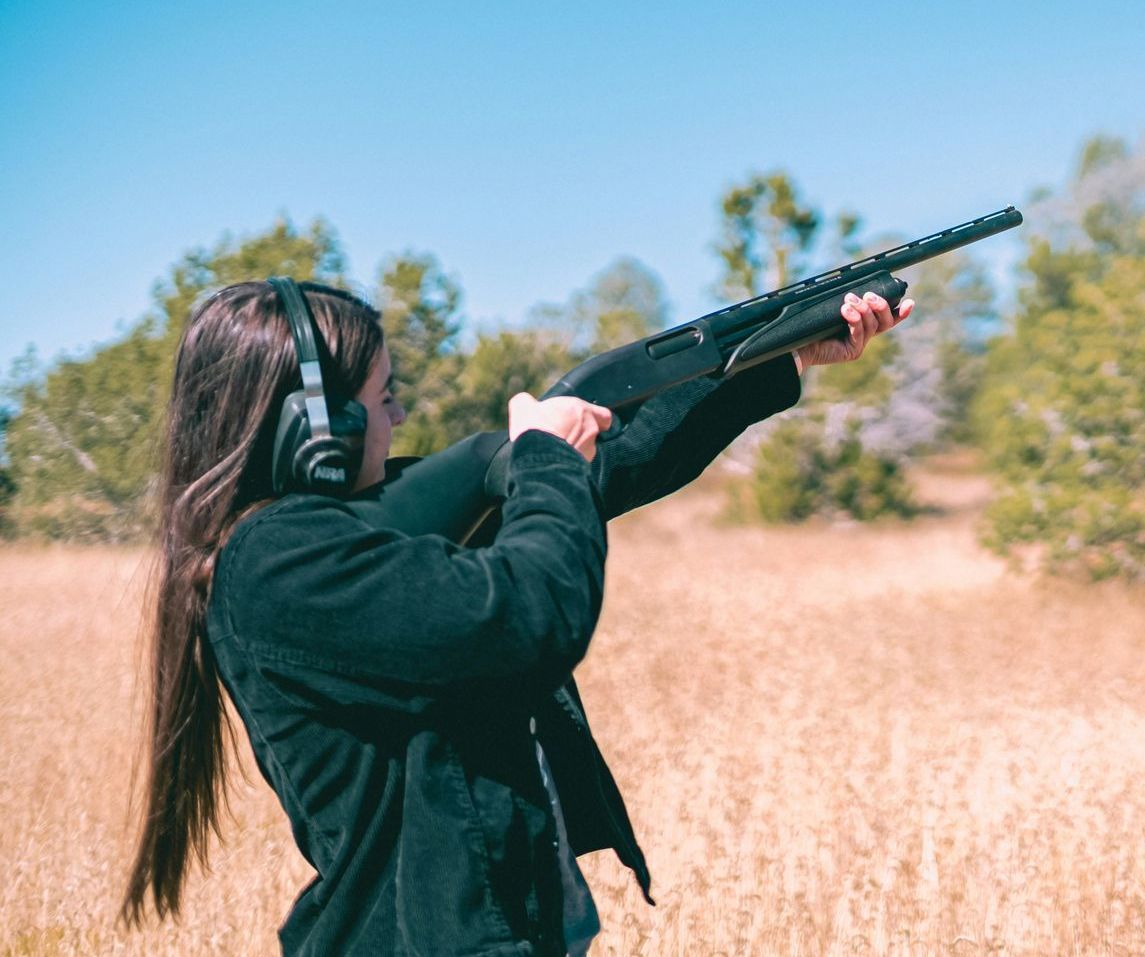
x=409, y=701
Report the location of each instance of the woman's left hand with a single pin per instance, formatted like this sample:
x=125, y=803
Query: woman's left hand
x=867, y=317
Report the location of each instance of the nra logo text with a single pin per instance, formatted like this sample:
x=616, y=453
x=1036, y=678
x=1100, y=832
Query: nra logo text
x=328, y=473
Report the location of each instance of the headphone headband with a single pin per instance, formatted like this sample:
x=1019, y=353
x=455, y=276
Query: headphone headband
x=301, y=321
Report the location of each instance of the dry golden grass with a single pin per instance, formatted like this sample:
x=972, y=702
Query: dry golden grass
x=833, y=740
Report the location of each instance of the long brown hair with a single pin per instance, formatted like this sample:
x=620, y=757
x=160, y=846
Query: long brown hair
x=235, y=365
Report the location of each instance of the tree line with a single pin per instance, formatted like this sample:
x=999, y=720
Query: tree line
x=1053, y=392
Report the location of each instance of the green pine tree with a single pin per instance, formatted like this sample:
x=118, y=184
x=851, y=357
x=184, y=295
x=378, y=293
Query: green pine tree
x=83, y=447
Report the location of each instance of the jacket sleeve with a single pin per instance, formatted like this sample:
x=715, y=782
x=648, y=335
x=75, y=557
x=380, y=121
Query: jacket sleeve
x=307, y=583
x=675, y=435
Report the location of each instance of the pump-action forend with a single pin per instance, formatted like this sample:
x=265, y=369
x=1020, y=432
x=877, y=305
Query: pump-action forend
x=453, y=491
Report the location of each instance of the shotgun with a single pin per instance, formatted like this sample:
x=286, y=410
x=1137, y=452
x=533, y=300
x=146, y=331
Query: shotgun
x=453, y=492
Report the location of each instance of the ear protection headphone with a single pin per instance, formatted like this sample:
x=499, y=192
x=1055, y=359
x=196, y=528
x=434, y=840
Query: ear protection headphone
x=318, y=446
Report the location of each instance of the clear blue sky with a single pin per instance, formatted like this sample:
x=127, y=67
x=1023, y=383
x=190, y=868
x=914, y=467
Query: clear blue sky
x=526, y=144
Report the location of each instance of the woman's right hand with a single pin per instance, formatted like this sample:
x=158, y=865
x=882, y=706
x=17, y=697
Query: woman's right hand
x=574, y=420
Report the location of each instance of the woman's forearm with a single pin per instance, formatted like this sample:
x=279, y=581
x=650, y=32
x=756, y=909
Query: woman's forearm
x=675, y=435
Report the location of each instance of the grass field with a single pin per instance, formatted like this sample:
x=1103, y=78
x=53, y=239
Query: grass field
x=833, y=740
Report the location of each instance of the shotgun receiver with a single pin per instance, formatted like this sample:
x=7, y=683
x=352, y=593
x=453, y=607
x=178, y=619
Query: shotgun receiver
x=452, y=492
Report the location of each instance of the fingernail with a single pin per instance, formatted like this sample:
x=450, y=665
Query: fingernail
x=851, y=313
x=872, y=297
x=852, y=299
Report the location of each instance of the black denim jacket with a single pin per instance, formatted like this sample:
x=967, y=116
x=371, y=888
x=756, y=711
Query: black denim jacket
x=387, y=685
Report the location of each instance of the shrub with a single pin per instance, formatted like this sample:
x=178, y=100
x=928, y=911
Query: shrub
x=801, y=470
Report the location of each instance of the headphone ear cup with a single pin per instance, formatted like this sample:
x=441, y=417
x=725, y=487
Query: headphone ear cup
x=328, y=465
